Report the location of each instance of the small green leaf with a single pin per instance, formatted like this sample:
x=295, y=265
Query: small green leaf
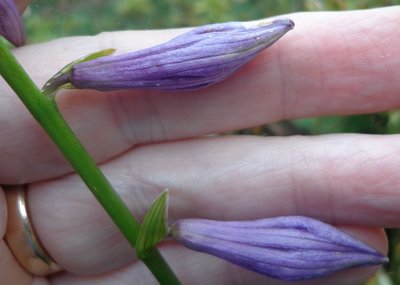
x=61, y=79
x=154, y=227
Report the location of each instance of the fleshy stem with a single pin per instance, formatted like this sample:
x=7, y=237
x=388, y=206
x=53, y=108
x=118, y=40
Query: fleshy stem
x=45, y=111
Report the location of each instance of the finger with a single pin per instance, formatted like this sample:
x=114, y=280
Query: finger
x=197, y=268
x=349, y=179
x=331, y=63
x=10, y=271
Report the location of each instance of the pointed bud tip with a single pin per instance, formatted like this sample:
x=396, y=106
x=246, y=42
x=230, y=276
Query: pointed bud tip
x=284, y=23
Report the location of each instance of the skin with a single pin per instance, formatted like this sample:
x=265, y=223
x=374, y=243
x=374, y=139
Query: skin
x=331, y=63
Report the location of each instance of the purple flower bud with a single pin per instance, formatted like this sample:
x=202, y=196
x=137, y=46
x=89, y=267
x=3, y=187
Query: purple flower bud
x=288, y=248
x=198, y=58
x=11, y=26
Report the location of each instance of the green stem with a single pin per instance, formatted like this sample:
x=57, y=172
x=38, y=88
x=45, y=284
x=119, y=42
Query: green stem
x=45, y=111
x=152, y=261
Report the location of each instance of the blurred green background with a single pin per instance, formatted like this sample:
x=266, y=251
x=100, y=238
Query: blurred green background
x=50, y=19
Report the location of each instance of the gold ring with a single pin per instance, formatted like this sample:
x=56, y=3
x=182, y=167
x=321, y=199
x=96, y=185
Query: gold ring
x=22, y=239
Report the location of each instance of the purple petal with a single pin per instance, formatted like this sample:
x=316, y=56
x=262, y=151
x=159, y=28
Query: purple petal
x=198, y=58
x=288, y=248
x=11, y=26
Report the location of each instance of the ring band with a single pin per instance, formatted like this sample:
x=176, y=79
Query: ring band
x=21, y=238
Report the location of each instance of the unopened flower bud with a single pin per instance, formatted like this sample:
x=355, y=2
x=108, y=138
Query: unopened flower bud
x=198, y=58
x=288, y=248
x=11, y=26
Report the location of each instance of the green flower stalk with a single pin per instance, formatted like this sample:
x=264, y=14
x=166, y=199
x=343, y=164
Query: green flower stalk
x=45, y=111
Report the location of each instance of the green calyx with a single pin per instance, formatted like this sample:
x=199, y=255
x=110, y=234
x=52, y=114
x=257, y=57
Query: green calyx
x=61, y=80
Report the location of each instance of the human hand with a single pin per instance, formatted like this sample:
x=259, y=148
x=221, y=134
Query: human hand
x=332, y=63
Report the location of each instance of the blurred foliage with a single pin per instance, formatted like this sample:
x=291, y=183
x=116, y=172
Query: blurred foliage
x=367, y=124
x=50, y=19
x=47, y=19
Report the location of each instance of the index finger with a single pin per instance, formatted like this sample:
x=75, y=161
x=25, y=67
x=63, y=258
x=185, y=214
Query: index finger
x=332, y=63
